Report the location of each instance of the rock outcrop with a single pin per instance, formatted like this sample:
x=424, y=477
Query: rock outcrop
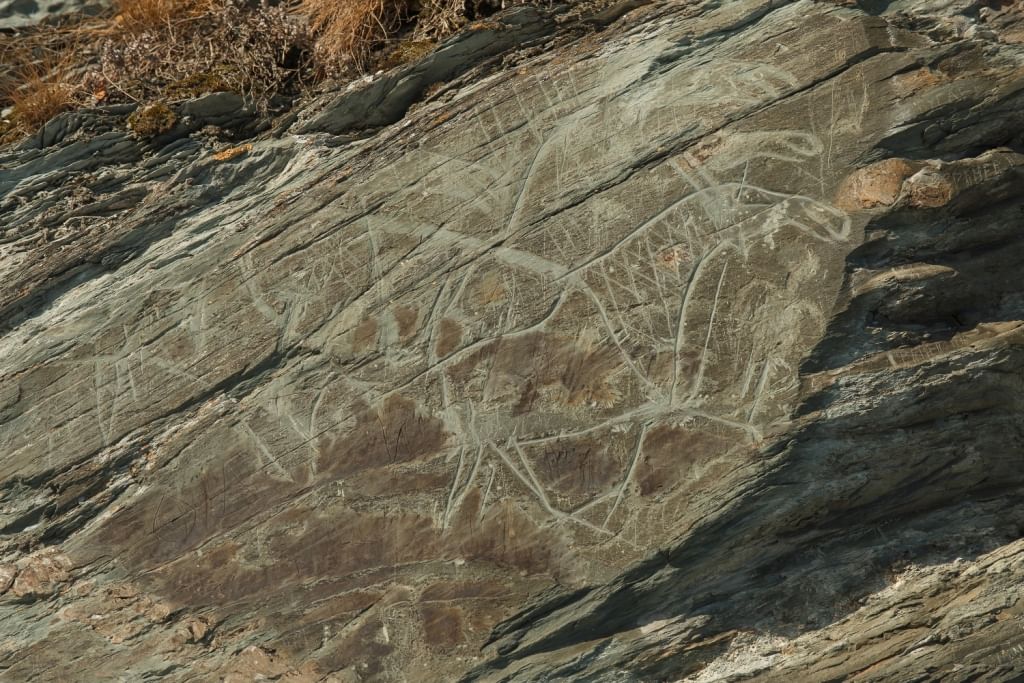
x=660, y=341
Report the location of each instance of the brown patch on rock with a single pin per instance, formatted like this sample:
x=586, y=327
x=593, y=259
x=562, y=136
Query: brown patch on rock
x=912, y=81
x=41, y=574
x=670, y=453
x=169, y=519
x=346, y=603
x=1009, y=25
x=396, y=432
x=400, y=481
x=347, y=541
x=118, y=612
x=705, y=149
x=527, y=398
x=928, y=190
x=364, y=650
x=601, y=395
x=448, y=337
x=407, y=319
x=507, y=536
x=194, y=629
x=443, y=626
x=309, y=672
x=659, y=367
x=876, y=185
x=7, y=574
x=253, y=664
x=588, y=366
x=484, y=616
x=339, y=546
x=460, y=590
x=230, y=153
x=213, y=577
x=581, y=466
x=524, y=369
x=364, y=336
x=670, y=259
x=491, y=289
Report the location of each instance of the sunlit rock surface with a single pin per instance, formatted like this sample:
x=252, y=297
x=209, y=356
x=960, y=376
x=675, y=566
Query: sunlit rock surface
x=683, y=341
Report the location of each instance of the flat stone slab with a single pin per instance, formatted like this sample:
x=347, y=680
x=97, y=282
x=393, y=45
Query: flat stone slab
x=336, y=411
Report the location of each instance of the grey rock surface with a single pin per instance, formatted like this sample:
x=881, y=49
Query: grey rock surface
x=15, y=14
x=686, y=345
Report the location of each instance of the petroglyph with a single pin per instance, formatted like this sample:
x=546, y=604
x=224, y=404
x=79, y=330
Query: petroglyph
x=655, y=291
x=666, y=296
x=525, y=336
x=550, y=298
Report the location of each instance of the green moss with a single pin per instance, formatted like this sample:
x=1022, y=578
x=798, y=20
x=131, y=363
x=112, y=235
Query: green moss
x=152, y=120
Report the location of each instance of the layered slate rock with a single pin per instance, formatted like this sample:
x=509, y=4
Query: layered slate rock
x=692, y=329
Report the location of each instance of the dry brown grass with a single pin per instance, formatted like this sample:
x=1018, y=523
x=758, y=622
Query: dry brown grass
x=141, y=16
x=37, y=78
x=347, y=31
x=440, y=18
x=362, y=34
x=39, y=100
x=147, y=51
x=254, y=50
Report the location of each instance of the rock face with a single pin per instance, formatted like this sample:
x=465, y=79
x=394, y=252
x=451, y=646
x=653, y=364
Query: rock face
x=685, y=345
x=16, y=14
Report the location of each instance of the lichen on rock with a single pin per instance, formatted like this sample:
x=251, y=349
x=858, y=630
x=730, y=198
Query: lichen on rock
x=151, y=120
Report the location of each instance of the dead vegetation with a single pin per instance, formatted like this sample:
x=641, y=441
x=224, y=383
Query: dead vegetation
x=43, y=93
x=188, y=45
x=147, y=51
x=349, y=32
x=138, y=17
x=38, y=78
